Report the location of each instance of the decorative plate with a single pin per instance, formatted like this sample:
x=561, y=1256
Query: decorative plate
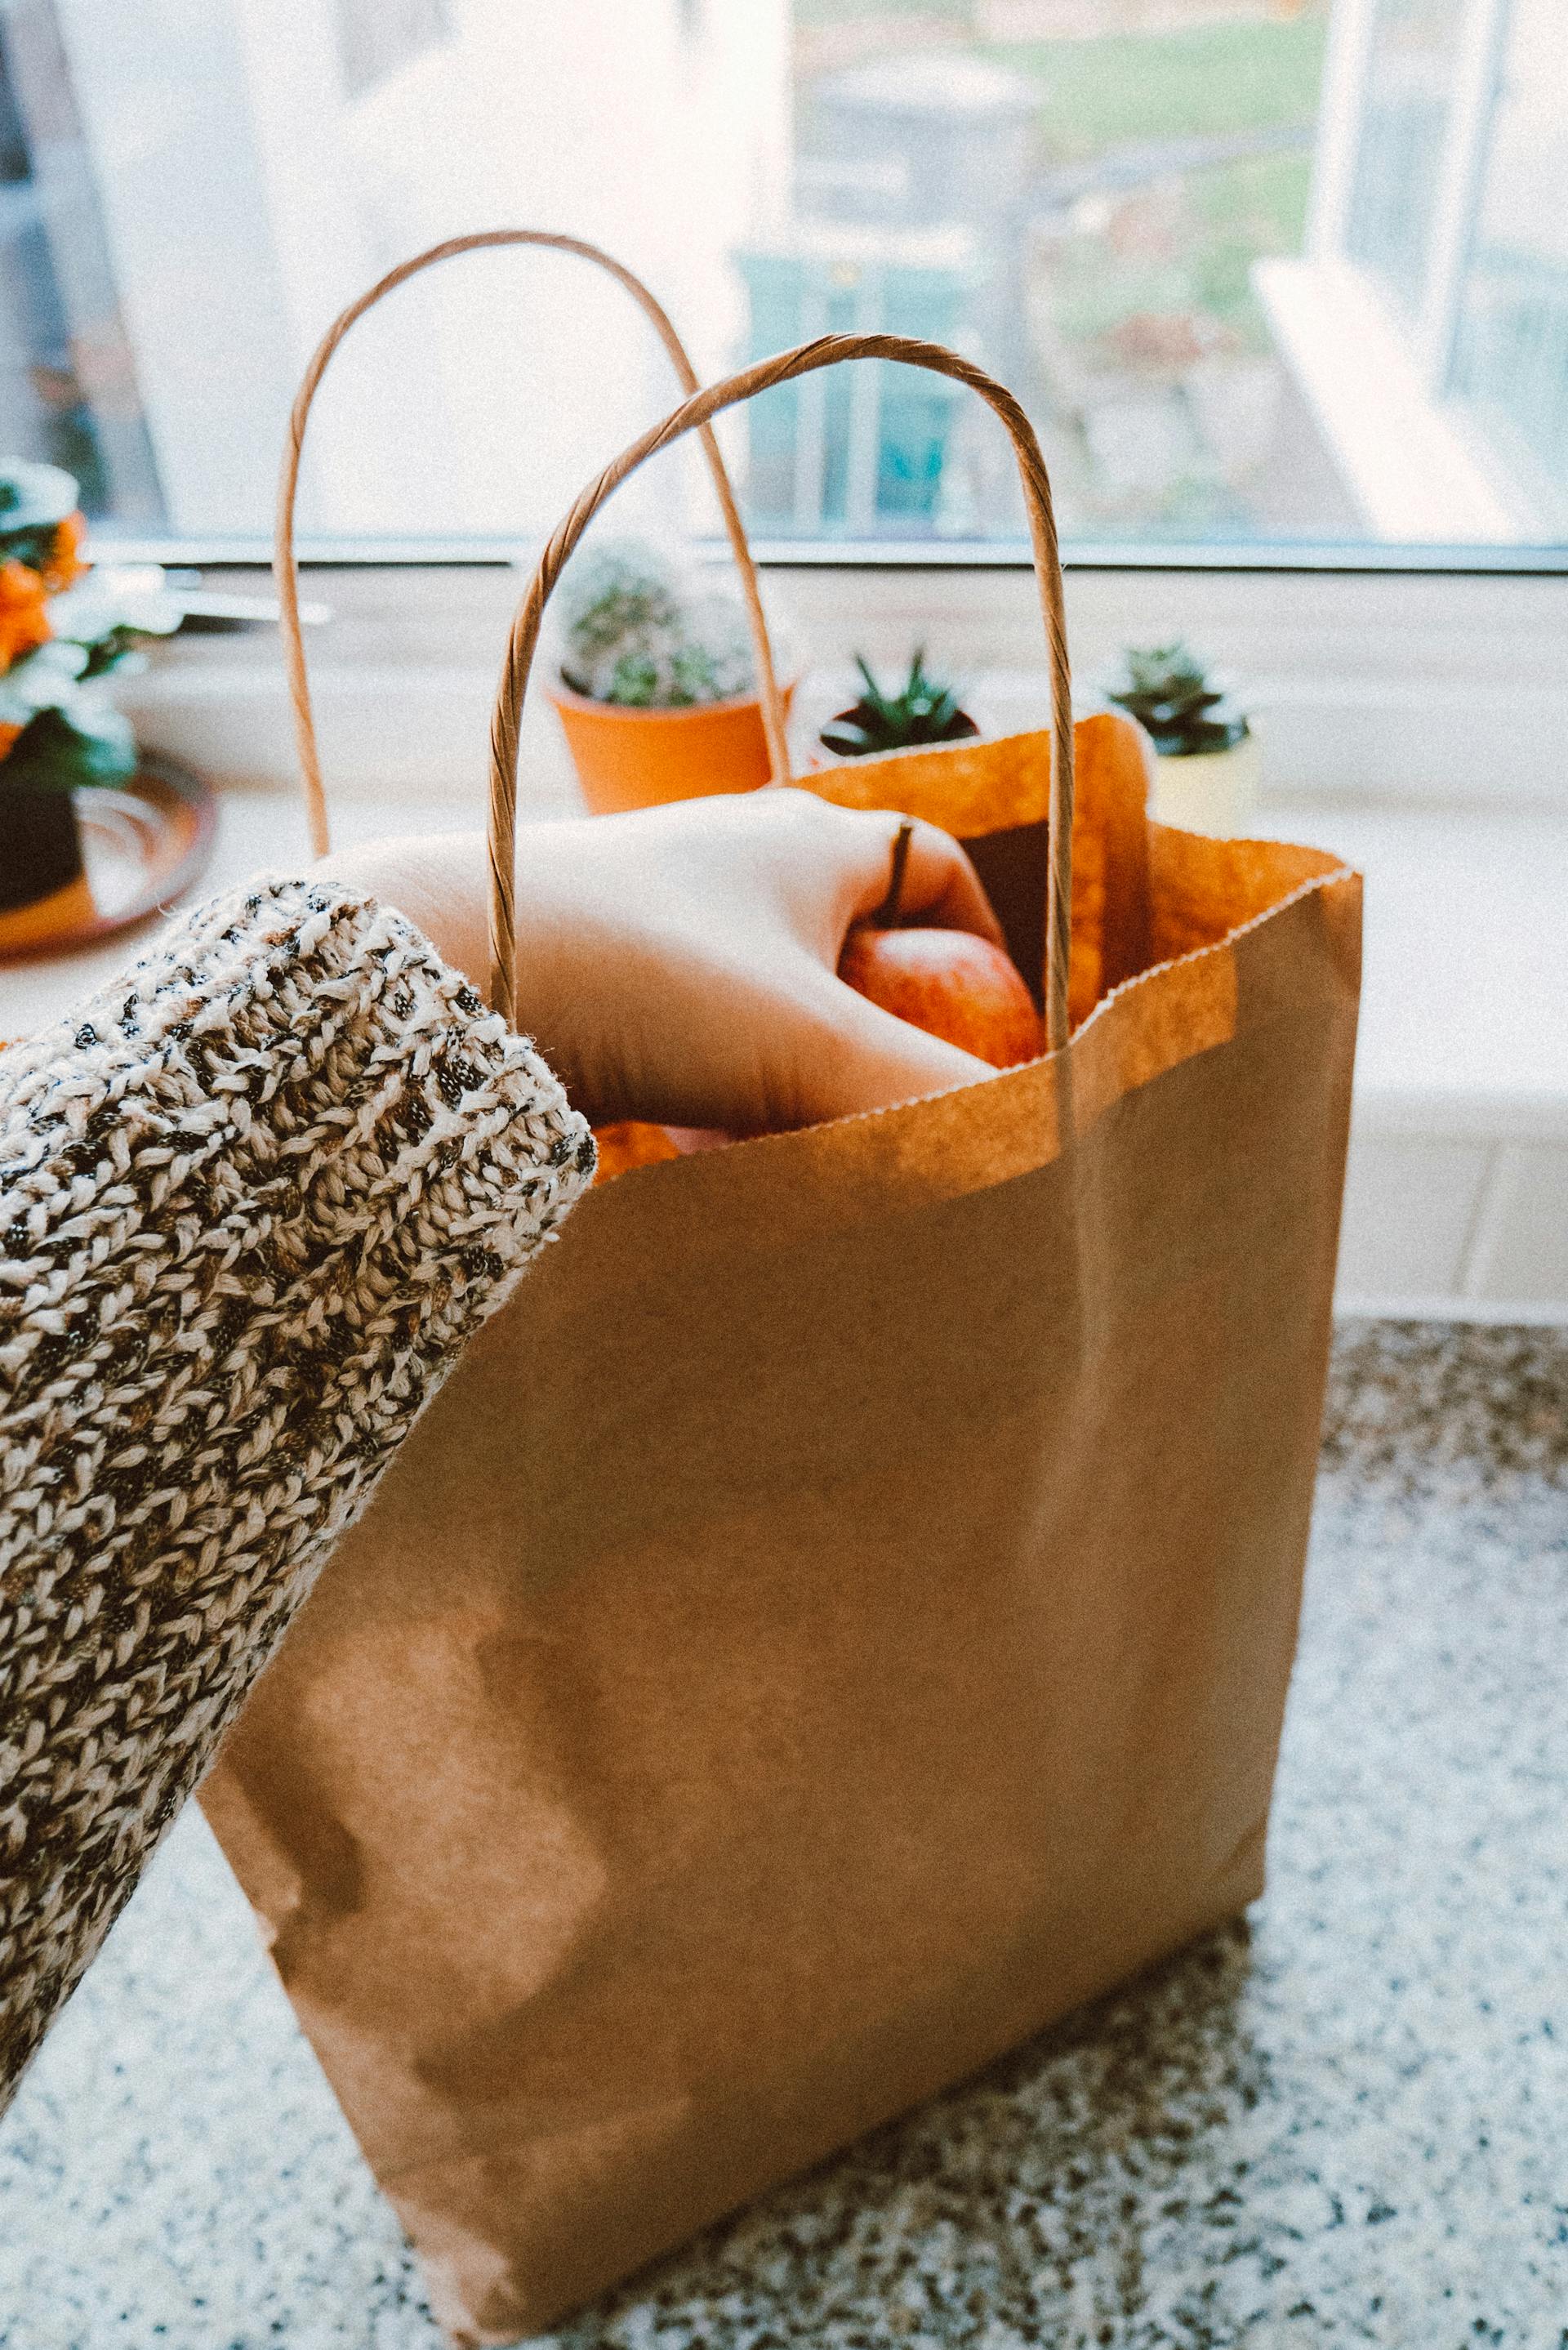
x=143, y=843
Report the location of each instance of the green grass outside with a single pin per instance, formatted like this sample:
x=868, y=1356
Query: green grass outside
x=1243, y=210
x=809, y=13
x=1132, y=87
x=1250, y=209
x=1126, y=89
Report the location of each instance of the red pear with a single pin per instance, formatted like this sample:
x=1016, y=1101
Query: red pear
x=631, y=1142
x=950, y=983
x=634, y=1142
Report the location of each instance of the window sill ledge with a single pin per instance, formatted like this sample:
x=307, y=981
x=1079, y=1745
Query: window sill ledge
x=1428, y=688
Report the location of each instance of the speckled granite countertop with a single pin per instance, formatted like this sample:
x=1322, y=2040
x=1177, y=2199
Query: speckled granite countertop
x=1346, y=2123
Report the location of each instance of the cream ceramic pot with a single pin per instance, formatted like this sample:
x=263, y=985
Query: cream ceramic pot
x=1214, y=791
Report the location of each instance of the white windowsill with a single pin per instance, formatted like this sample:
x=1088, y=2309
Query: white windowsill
x=1426, y=688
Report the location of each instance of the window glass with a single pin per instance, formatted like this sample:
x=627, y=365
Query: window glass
x=1404, y=127
x=1079, y=194
x=1511, y=360
x=68, y=393
x=379, y=37
x=1105, y=200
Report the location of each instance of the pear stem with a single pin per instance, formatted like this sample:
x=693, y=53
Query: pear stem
x=887, y=913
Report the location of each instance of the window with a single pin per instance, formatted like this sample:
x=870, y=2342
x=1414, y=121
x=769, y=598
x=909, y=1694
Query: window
x=68, y=392
x=379, y=37
x=1511, y=355
x=1429, y=323
x=1400, y=141
x=1264, y=272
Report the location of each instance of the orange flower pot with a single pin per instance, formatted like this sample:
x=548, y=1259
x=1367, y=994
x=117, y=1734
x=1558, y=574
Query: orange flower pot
x=640, y=758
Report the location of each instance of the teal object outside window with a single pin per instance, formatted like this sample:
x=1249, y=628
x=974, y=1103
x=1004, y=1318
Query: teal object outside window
x=858, y=451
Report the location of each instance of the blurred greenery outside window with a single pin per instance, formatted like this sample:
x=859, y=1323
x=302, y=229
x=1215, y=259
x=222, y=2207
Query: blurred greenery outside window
x=1174, y=218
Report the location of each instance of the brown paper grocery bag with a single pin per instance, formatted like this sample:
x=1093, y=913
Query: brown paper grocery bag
x=837, y=1618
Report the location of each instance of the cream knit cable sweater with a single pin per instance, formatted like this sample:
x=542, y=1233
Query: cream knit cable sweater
x=253, y=1200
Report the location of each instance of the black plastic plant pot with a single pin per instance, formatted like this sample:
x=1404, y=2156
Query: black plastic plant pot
x=839, y=735
x=40, y=844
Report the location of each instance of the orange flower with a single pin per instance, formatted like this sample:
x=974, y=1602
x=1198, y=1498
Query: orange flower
x=24, y=623
x=65, y=565
x=8, y=735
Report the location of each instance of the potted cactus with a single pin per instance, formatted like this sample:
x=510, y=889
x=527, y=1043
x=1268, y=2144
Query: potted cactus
x=655, y=682
x=61, y=631
x=1207, y=765
x=923, y=709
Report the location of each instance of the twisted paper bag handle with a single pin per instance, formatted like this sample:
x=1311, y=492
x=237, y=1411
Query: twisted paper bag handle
x=285, y=570
x=694, y=415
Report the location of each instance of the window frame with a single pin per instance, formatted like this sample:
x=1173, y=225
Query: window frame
x=1355, y=559
x=1477, y=79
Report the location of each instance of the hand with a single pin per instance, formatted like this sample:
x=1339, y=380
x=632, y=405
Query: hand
x=680, y=963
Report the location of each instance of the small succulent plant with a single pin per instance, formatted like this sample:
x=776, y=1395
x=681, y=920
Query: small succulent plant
x=1167, y=688
x=638, y=630
x=924, y=710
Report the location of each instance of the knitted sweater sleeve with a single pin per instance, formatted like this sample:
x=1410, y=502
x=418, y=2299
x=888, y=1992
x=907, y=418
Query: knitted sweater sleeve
x=252, y=1203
